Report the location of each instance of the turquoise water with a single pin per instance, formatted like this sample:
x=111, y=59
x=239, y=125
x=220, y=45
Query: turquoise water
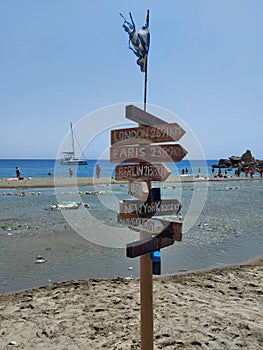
x=229, y=230
x=42, y=167
x=36, y=168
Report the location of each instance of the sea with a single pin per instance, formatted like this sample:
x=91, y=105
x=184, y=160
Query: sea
x=222, y=221
x=36, y=168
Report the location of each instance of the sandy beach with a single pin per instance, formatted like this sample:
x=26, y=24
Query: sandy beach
x=88, y=181
x=217, y=309
x=50, y=182
x=220, y=309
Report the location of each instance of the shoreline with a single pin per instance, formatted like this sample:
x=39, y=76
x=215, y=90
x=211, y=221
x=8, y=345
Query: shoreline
x=219, y=308
x=81, y=181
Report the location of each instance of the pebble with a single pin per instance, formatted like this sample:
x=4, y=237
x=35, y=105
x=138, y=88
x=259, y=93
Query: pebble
x=128, y=278
x=12, y=342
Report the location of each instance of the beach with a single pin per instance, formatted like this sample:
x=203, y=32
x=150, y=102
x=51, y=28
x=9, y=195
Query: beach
x=49, y=182
x=217, y=309
x=101, y=200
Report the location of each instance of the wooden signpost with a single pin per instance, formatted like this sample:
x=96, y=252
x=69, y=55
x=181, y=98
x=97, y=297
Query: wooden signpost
x=172, y=233
x=147, y=153
x=150, y=134
x=141, y=116
x=139, y=145
x=143, y=171
x=138, y=209
x=149, y=225
x=139, y=189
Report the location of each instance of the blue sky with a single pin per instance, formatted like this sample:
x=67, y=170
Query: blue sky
x=63, y=59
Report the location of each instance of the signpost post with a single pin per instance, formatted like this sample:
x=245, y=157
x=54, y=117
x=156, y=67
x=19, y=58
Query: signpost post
x=151, y=129
x=134, y=145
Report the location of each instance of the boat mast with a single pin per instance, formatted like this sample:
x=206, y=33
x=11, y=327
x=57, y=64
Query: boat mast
x=72, y=139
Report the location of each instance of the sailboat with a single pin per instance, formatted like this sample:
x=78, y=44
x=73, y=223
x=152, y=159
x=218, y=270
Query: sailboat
x=69, y=158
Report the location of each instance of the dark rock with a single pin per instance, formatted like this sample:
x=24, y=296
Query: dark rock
x=235, y=161
x=195, y=342
x=246, y=160
x=99, y=309
x=224, y=163
x=247, y=157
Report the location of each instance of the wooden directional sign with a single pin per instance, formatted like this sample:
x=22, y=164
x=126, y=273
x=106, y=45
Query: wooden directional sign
x=147, y=153
x=151, y=134
x=135, y=208
x=139, y=189
x=140, y=116
x=153, y=226
x=172, y=233
x=150, y=225
x=150, y=172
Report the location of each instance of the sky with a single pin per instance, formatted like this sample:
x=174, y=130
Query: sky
x=61, y=60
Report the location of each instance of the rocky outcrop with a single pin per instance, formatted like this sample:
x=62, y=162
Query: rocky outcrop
x=245, y=160
x=224, y=163
x=235, y=161
x=247, y=157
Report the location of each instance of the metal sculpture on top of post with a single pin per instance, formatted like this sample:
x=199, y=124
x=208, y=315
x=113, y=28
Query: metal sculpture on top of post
x=140, y=45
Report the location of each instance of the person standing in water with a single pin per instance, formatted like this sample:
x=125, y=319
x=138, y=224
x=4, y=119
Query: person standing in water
x=98, y=171
x=17, y=172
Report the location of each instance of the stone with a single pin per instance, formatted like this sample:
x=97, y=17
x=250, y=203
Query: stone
x=235, y=161
x=12, y=342
x=224, y=163
x=247, y=157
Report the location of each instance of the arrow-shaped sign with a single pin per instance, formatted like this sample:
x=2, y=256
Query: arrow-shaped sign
x=153, y=226
x=139, y=189
x=136, y=208
x=171, y=234
x=157, y=133
x=150, y=172
x=140, y=116
x=150, y=225
x=147, y=153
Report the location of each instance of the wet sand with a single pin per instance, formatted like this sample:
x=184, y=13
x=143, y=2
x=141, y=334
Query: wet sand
x=216, y=309
x=81, y=181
